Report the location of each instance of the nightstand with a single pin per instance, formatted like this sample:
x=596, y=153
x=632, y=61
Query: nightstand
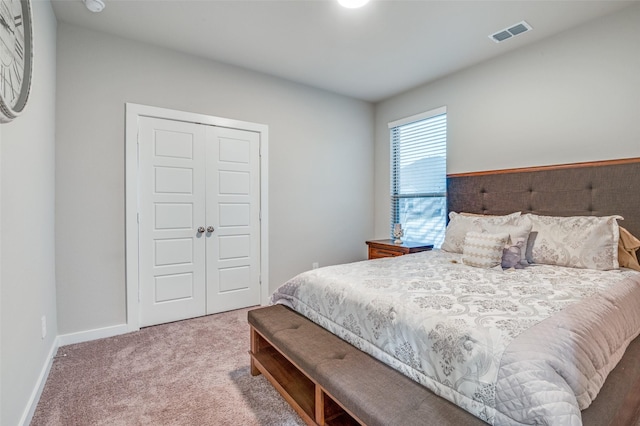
x=386, y=248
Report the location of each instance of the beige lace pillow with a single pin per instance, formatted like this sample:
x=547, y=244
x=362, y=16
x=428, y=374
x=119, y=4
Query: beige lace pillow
x=588, y=242
x=460, y=224
x=483, y=250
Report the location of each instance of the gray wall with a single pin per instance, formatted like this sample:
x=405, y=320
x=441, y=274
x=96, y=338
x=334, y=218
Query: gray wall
x=320, y=163
x=571, y=98
x=27, y=285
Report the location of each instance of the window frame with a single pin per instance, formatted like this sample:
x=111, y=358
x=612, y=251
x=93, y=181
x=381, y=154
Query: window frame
x=395, y=195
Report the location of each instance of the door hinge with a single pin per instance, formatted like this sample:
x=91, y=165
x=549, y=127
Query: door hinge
x=139, y=293
x=138, y=217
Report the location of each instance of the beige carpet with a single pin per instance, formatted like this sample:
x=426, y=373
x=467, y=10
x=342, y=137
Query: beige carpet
x=193, y=372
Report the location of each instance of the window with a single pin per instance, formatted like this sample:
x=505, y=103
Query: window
x=419, y=176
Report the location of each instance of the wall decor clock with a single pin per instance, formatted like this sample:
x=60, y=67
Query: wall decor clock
x=16, y=57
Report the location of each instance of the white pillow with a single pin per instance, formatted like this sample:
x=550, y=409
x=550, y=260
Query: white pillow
x=459, y=225
x=588, y=242
x=483, y=250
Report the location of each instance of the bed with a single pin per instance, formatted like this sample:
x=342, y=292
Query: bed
x=512, y=345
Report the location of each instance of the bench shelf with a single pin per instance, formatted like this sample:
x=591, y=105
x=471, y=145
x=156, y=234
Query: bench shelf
x=308, y=398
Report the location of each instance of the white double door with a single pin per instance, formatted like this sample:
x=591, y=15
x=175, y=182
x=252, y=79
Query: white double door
x=199, y=219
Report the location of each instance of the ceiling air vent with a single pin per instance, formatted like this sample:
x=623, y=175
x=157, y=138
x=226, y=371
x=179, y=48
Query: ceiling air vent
x=507, y=33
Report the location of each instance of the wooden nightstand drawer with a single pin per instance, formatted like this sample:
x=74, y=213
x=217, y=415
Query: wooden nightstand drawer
x=386, y=248
x=375, y=252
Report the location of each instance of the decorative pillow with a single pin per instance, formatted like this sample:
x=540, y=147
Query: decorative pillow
x=518, y=233
x=627, y=250
x=512, y=255
x=483, y=250
x=460, y=224
x=588, y=242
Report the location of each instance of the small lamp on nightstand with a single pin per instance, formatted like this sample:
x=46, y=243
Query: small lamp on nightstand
x=397, y=233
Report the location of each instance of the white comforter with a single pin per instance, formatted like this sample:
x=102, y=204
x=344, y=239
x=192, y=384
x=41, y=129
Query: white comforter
x=530, y=346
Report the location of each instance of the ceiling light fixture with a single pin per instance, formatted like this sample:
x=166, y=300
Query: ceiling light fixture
x=94, y=5
x=353, y=4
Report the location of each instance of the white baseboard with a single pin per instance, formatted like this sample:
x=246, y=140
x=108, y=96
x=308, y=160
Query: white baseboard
x=62, y=340
x=98, y=333
x=39, y=387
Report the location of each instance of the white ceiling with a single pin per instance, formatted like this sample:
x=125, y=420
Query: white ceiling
x=385, y=48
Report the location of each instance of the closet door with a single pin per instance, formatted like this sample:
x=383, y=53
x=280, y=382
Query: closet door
x=172, y=170
x=233, y=210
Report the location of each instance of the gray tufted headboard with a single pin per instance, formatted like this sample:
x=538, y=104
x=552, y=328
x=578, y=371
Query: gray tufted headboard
x=597, y=188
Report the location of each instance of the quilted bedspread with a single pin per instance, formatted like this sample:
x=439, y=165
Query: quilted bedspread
x=527, y=346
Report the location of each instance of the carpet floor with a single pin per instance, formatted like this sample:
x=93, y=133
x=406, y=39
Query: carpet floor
x=192, y=372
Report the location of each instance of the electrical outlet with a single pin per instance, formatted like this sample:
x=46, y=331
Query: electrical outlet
x=314, y=265
x=43, y=323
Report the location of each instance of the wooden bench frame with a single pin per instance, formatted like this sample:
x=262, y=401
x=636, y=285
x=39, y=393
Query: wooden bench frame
x=307, y=397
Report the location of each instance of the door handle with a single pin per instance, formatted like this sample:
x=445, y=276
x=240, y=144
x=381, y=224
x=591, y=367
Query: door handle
x=201, y=230
x=210, y=229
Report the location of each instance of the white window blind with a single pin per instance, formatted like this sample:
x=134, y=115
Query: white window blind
x=419, y=176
